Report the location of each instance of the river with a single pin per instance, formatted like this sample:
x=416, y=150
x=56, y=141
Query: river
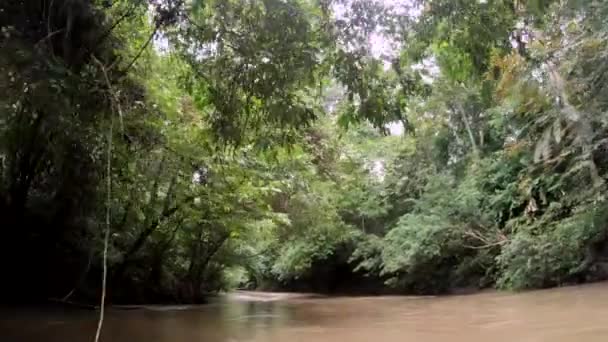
x=567, y=314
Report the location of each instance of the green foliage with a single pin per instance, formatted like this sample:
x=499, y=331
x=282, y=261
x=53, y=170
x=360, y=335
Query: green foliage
x=314, y=234
x=256, y=62
x=251, y=145
x=368, y=254
x=551, y=257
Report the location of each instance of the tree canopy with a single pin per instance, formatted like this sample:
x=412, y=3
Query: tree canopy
x=331, y=145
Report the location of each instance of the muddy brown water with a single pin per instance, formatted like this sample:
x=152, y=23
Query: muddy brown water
x=566, y=314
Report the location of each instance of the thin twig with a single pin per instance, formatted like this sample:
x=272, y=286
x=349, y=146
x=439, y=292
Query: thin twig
x=48, y=24
x=106, y=237
x=81, y=279
x=115, y=105
x=48, y=36
x=114, y=97
x=490, y=245
x=487, y=243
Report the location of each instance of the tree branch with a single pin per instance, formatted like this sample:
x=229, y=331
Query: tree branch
x=141, y=50
x=115, y=24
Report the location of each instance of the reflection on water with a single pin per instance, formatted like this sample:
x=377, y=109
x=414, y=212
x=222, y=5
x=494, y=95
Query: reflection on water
x=567, y=314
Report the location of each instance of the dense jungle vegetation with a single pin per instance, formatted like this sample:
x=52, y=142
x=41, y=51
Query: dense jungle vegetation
x=323, y=145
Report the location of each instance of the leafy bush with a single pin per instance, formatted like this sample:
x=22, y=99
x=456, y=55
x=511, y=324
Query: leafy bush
x=553, y=256
x=296, y=257
x=368, y=254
